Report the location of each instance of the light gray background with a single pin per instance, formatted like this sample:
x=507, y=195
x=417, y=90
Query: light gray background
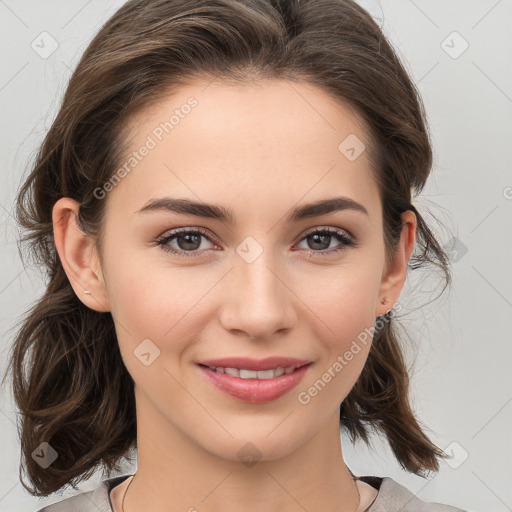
x=460, y=344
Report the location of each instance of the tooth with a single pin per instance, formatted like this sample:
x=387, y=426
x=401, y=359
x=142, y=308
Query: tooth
x=254, y=374
x=248, y=374
x=278, y=372
x=266, y=374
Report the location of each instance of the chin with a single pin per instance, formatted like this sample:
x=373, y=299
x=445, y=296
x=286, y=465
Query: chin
x=260, y=441
x=249, y=451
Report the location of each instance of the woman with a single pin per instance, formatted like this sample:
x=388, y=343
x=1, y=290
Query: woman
x=224, y=207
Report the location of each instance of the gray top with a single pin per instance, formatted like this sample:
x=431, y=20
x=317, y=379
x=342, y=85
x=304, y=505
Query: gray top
x=392, y=497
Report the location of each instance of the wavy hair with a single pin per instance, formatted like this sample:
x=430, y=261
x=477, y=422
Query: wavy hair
x=69, y=381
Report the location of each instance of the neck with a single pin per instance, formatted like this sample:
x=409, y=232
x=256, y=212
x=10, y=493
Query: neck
x=173, y=473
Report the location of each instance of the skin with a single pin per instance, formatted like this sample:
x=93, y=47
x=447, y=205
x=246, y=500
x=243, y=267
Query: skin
x=261, y=150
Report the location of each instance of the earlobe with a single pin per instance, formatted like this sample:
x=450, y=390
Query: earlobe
x=77, y=255
x=395, y=274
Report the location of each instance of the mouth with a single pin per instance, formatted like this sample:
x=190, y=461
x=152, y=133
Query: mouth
x=243, y=373
x=254, y=385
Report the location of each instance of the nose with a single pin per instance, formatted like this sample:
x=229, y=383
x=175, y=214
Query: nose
x=257, y=300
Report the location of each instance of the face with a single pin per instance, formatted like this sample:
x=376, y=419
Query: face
x=185, y=289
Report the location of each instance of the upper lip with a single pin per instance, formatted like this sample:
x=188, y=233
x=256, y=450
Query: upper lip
x=247, y=363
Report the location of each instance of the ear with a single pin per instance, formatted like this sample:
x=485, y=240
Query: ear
x=78, y=255
x=395, y=272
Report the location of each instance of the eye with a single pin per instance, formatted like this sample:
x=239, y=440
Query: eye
x=320, y=240
x=187, y=240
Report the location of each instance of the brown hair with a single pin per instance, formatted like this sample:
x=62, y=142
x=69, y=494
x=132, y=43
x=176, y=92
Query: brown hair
x=76, y=393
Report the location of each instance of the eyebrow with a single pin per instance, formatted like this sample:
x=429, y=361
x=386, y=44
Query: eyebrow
x=186, y=206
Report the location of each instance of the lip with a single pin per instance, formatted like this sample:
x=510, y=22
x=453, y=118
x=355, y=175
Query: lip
x=256, y=391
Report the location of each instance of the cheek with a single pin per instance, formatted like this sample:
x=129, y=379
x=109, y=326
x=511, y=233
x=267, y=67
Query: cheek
x=344, y=305
x=343, y=298
x=342, y=357
x=157, y=302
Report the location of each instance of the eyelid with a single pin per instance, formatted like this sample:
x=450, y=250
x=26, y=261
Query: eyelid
x=186, y=229
x=208, y=234
x=332, y=229
x=171, y=234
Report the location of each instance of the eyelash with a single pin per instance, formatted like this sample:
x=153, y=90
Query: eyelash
x=347, y=241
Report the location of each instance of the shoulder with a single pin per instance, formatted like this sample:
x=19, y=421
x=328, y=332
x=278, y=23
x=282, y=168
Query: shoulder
x=394, y=497
x=96, y=500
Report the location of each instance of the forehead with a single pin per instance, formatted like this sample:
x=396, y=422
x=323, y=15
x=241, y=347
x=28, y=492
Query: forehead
x=267, y=141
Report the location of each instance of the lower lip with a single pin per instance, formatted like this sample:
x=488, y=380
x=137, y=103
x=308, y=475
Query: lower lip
x=256, y=391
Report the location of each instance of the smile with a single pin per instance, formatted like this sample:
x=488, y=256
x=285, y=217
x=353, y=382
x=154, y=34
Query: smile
x=254, y=386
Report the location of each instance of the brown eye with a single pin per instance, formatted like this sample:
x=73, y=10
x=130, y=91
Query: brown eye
x=188, y=242
x=319, y=241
